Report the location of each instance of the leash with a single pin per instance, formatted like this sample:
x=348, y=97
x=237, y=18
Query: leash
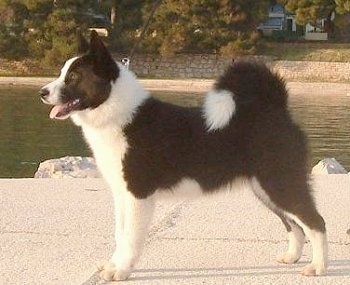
x=126, y=60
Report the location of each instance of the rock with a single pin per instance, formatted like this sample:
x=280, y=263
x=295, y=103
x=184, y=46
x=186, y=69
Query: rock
x=68, y=167
x=328, y=166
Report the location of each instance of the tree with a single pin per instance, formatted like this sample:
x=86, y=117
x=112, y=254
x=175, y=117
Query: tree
x=12, y=41
x=343, y=6
x=36, y=25
x=52, y=27
x=204, y=26
x=127, y=19
x=42, y=28
x=309, y=11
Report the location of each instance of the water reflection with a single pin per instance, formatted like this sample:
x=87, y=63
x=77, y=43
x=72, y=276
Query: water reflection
x=28, y=136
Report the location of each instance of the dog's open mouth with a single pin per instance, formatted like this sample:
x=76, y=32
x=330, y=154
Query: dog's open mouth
x=63, y=111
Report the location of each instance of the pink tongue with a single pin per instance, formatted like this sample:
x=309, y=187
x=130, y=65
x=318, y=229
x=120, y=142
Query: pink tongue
x=55, y=111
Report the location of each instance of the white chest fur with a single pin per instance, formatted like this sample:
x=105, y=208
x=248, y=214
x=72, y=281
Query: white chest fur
x=109, y=146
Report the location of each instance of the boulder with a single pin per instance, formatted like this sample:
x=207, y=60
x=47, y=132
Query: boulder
x=328, y=166
x=68, y=167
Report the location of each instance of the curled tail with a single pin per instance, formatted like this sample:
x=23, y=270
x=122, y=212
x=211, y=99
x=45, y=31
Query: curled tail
x=246, y=85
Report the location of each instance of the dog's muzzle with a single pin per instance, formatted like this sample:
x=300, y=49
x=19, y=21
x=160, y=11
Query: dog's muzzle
x=44, y=93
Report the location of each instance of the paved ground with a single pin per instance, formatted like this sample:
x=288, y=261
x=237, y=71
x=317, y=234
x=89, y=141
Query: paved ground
x=53, y=231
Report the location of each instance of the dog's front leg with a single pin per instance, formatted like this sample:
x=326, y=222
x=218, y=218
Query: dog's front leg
x=135, y=216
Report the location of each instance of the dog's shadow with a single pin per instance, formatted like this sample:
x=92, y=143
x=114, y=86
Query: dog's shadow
x=337, y=268
x=185, y=273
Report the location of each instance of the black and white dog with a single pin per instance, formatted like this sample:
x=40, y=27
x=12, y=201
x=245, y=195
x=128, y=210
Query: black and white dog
x=145, y=148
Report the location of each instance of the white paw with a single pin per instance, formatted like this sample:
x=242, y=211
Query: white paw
x=313, y=270
x=110, y=272
x=287, y=258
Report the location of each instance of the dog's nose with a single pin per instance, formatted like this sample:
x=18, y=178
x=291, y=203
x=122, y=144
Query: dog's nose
x=43, y=92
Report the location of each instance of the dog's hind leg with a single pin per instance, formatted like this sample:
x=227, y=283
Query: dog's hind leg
x=314, y=227
x=136, y=215
x=296, y=241
x=299, y=214
x=296, y=236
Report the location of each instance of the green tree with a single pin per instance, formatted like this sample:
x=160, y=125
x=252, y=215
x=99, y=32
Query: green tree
x=52, y=28
x=204, y=26
x=42, y=28
x=12, y=41
x=36, y=26
x=343, y=6
x=61, y=30
x=309, y=11
x=127, y=19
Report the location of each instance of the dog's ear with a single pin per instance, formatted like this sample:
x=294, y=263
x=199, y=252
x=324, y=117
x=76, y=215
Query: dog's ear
x=98, y=49
x=83, y=45
x=104, y=65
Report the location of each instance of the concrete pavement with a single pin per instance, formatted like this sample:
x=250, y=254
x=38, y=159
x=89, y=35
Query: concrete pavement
x=52, y=231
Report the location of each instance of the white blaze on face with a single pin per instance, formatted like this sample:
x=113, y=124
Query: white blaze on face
x=59, y=111
x=219, y=107
x=55, y=86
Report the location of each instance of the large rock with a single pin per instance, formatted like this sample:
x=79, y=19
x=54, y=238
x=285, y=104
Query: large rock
x=68, y=167
x=328, y=166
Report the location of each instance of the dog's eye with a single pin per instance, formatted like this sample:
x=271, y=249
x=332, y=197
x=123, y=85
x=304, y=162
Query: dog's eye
x=72, y=76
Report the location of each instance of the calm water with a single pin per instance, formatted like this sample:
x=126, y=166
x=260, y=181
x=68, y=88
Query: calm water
x=28, y=136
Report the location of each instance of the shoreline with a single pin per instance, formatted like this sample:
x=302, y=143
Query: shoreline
x=197, y=85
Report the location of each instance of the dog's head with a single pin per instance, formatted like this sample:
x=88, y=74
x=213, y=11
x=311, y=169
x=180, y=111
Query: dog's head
x=85, y=81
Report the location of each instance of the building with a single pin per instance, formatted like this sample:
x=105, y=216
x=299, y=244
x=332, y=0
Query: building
x=279, y=20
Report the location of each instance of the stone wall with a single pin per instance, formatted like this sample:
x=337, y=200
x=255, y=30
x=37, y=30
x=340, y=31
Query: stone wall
x=210, y=66
x=198, y=66
x=313, y=70
x=26, y=67
x=179, y=66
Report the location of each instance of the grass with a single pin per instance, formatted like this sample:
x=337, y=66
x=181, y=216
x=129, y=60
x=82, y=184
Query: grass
x=307, y=51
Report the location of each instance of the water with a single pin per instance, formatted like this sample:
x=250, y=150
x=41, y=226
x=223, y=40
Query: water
x=28, y=136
